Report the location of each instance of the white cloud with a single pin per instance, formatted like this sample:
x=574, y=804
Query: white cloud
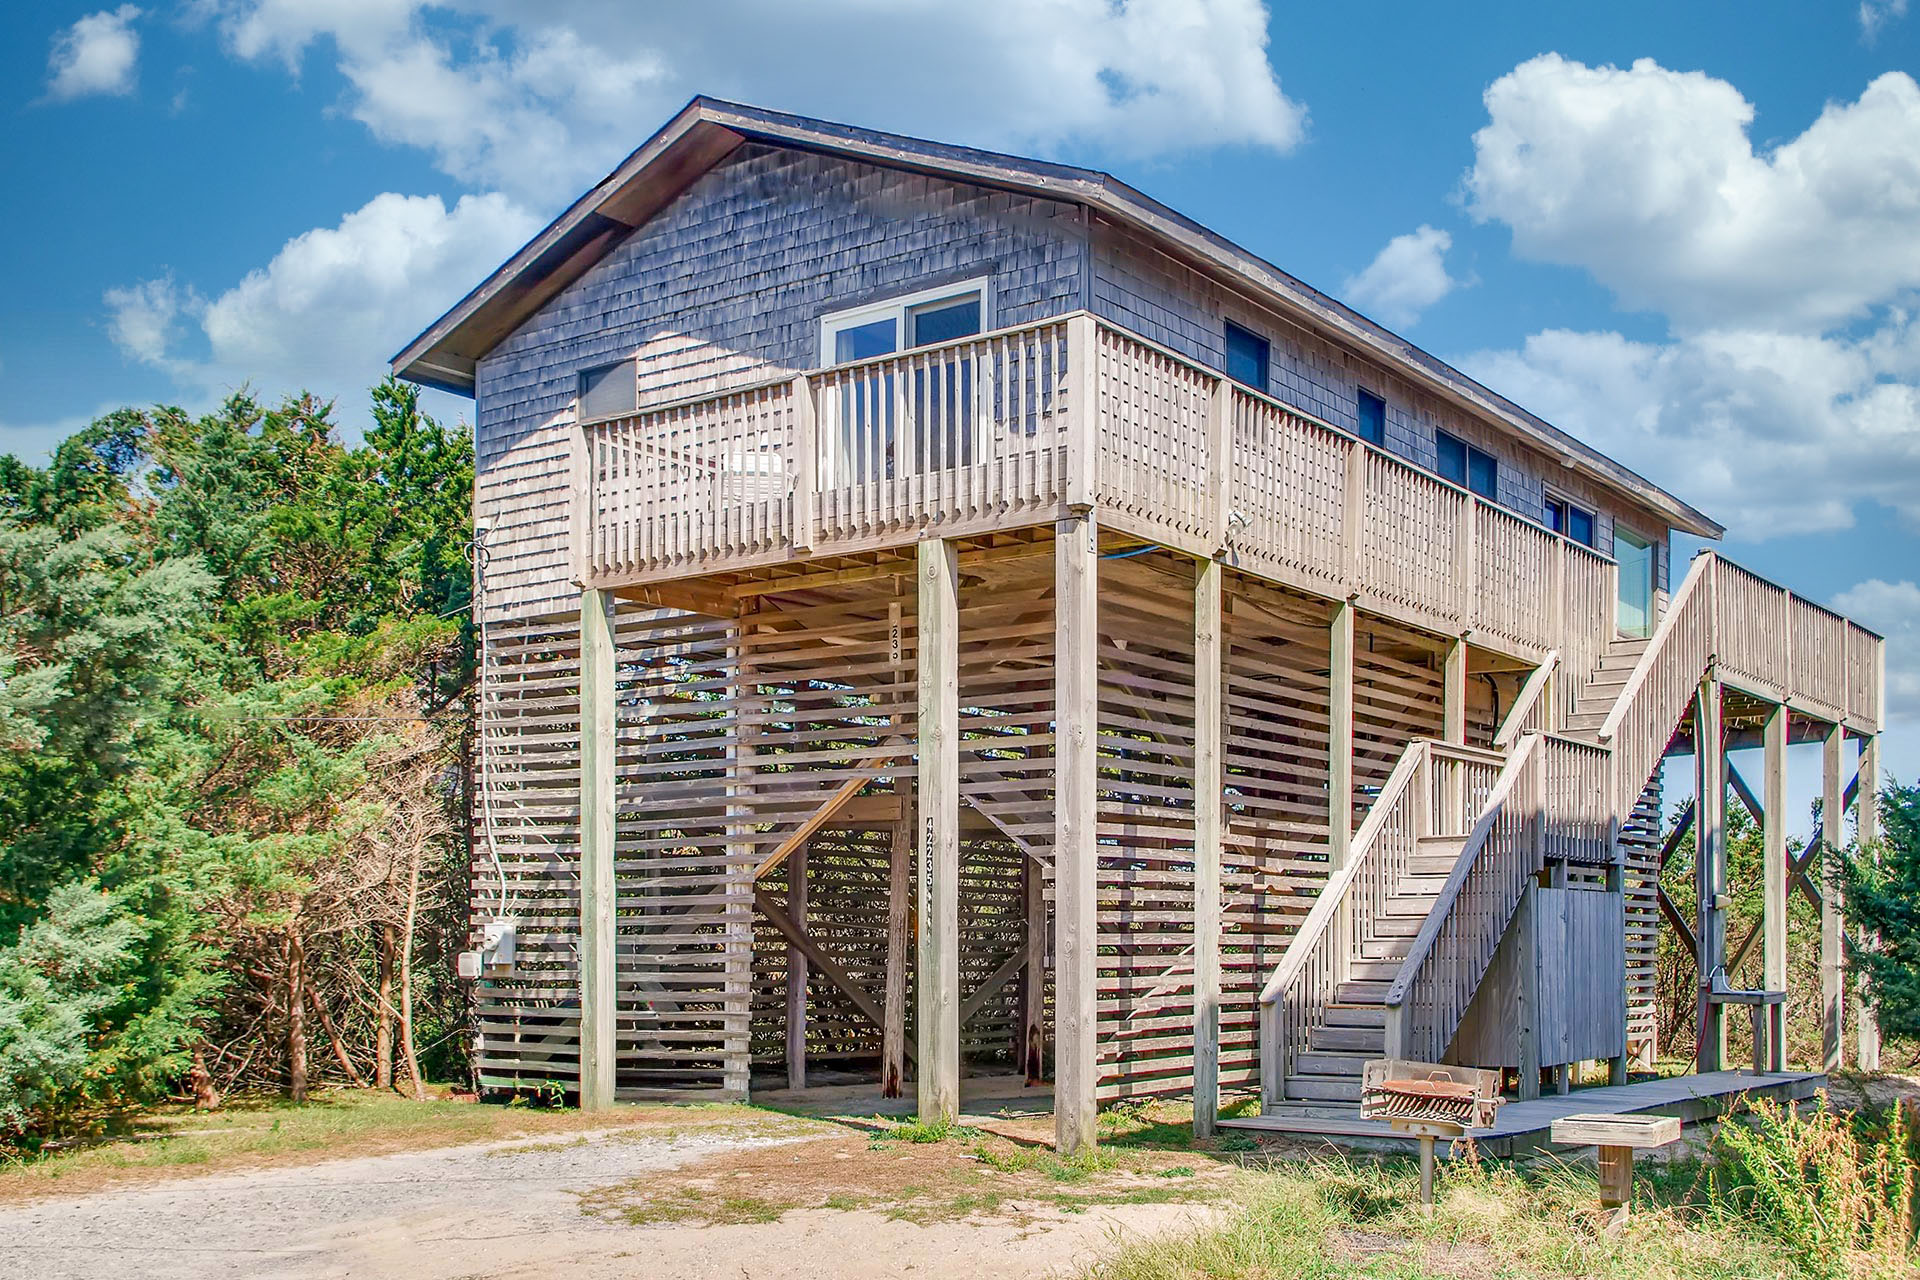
x=1772, y=433
x=96, y=55
x=1892, y=609
x=144, y=319
x=1647, y=179
x=539, y=99
x=1404, y=279
x=1875, y=14
x=331, y=306
x=1785, y=394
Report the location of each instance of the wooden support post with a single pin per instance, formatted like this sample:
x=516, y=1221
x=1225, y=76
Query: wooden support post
x=1833, y=828
x=1075, y=842
x=1453, y=697
x=1709, y=869
x=1616, y=1179
x=1867, y=830
x=1773, y=875
x=893, y=1022
x=1209, y=723
x=1340, y=736
x=736, y=1076
x=1527, y=1014
x=797, y=972
x=1033, y=1002
x=938, y=1021
x=598, y=778
x=1617, y=883
x=1453, y=728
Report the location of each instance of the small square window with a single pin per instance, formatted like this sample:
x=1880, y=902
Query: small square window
x=1466, y=466
x=1372, y=417
x=609, y=390
x=1247, y=355
x=1570, y=521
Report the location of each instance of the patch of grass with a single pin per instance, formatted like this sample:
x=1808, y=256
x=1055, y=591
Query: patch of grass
x=1768, y=1203
x=681, y=1204
x=921, y=1174
x=921, y=1132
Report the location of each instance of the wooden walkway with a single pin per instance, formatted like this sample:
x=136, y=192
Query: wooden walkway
x=1522, y=1127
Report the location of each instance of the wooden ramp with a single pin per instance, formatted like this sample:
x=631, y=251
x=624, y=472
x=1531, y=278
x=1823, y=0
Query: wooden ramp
x=1522, y=1126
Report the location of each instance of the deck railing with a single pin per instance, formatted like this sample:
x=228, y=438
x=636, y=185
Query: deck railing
x=1022, y=425
x=1550, y=801
x=1756, y=635
x=1016, y=427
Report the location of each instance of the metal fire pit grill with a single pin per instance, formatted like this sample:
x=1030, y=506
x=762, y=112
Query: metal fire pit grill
x=1426, y=1100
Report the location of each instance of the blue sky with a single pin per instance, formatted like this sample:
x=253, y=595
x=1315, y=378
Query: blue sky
x=1688, y=233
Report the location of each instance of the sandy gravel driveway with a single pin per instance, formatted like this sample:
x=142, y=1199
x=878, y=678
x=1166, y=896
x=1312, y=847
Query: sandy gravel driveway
x=515, y=1209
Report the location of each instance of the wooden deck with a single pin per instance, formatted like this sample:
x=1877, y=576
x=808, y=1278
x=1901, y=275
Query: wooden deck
x=1522, y=1126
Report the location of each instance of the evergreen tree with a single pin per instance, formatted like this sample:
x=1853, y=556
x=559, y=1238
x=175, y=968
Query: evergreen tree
x=233, y=668
x=1882, y=902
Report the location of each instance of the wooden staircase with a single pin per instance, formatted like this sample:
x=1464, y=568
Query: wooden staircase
x=1598, y=696
x=1385, y=965
x=1353, y=1028
x=1403, y=933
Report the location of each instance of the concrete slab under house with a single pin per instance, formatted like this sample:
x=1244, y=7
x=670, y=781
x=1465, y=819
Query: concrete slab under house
x=950, y=618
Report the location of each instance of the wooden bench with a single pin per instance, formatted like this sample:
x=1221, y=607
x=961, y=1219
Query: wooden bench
x=1617, y=1137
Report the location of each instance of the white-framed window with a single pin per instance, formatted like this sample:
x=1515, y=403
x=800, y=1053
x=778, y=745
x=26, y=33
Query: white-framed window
x=864, y=442
x=922, y=319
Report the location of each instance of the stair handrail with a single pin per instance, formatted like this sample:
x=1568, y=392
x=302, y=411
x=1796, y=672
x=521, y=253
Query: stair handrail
x=1317, y=955
x=1528, y=701
x=1328, y=903
x=1697, y=573
x=1421, y=950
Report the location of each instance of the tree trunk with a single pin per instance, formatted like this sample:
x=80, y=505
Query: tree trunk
x=340, y=1054
x=205, y=1096
x=296, y=1013
x=406, y=979
x=383, y=1026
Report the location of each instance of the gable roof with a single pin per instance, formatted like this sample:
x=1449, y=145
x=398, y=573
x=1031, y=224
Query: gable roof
x=706, y=130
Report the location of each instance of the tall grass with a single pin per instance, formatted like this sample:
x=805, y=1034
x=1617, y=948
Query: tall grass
x=1816, y=1195
x=1834, y=1191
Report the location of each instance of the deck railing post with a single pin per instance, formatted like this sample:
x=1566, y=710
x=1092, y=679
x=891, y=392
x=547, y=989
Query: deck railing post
x=1467, y=548
x=580, y=501
x=1219, y=497
x=1083, y=408
x=804, y=463
x=1353, y=514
